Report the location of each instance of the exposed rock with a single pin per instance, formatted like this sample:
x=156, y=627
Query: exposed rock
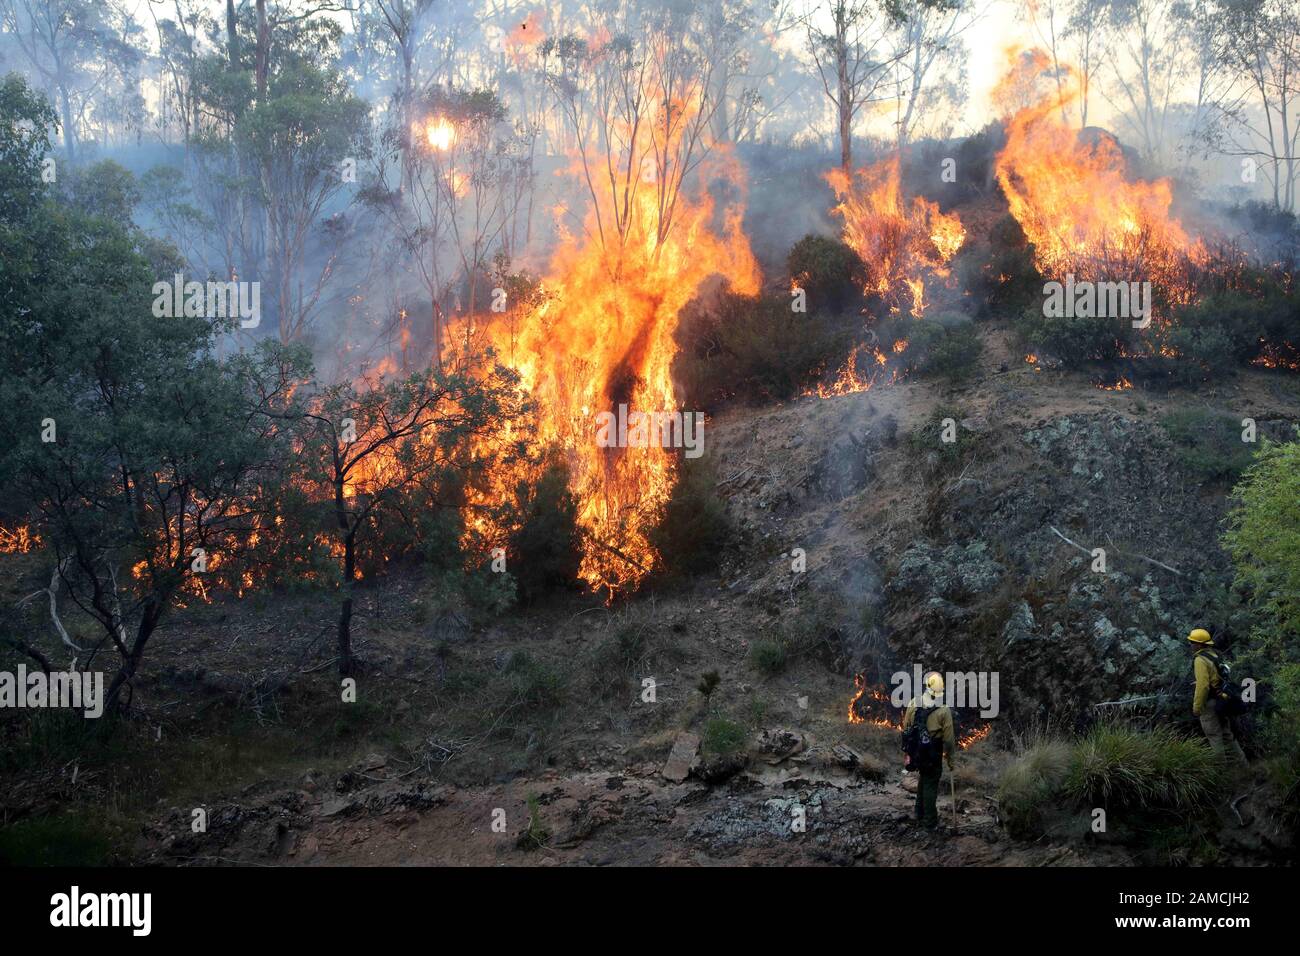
x=682, y=758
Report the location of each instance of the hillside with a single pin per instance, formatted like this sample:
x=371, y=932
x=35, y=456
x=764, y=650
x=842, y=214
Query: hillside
x=916, y=551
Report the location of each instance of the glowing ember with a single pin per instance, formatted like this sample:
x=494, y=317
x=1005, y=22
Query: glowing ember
x=1285, y=356
x=19, y=540
x=851, y=379
x=871, y=706
x=1119, y=386
x=872, y=699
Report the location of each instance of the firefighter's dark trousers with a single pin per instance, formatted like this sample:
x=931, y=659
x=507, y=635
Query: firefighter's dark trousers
x=1218, y=731
x=927, y=797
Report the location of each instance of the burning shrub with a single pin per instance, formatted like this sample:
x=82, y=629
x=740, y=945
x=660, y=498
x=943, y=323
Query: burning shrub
x=1003, y=280
x=1075, y=340
x=1228, y=328
x=903, y=245
x=827, y=269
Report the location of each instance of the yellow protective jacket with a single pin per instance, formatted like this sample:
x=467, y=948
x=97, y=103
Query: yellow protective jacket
x=1207, y=680
x=939, y=722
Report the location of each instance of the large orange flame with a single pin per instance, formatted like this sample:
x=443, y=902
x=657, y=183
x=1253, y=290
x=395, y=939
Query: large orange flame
x=899, y=243
x=1073, y=198
x=603, y=336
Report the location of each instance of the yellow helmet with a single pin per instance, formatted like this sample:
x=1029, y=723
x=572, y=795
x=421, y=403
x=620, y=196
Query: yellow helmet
x=1200, y=636
x=934, y=682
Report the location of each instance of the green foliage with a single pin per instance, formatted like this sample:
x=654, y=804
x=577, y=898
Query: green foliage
x=545, y=549
x=70, y=839
x=1004, y=281
x=1263, y=539
x=1030, y=784
x=533, y=684
x=1208, y=444
x=1117, y=766
x=536, y=835
x=104, y=189
x=946, y=346
x=694, y=528
x=1150, y=772
x=722, y=736
x=770, y=656
x=754, y=350
x=1224, y=329
x=928, y=438
x=1074, y=340
x=613, y=663
x=709, y=682
x=827, y=270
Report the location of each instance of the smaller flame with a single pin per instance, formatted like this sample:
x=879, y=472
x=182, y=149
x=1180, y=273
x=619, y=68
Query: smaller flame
x=20, y=540
x=1120, y=386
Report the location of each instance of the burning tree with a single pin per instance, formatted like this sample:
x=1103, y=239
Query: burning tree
x=399, y=450
x=136, y=450
x=637, y=103
x=149, y=490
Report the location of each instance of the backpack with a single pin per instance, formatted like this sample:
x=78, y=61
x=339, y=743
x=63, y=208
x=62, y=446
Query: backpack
x=924, y=750
x=1226, y=695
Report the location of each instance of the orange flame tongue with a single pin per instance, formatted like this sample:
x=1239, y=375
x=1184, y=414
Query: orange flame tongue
x=897, y=242
x=606, y=338
x=1073, y=200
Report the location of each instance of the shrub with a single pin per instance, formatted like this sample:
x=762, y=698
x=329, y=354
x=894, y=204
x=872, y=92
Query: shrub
x=928, y=438
x=1226, y=328
x=755, y=350
x=1074, y=340
x=722, y=736
x=1029, y=785
x=1003, y=280
x=532, y=684
x=536, y=835
x=770, y=656
x=694, y=527
x=827, y=270
x=945, y=346
x=1116, y=765
x=612, y=662
x=1208, y=444
x=545, y=548
x=1263, y=539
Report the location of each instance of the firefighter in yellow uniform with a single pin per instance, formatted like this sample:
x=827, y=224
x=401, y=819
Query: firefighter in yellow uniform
x=939, y=724
x=1217, y=727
